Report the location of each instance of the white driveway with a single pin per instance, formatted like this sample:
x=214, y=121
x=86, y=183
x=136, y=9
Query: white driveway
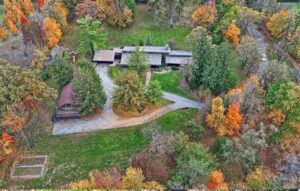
x=109, y=120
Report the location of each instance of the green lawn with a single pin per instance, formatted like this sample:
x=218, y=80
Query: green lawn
x=145, y=25
x=170, y=82
x=72, y=157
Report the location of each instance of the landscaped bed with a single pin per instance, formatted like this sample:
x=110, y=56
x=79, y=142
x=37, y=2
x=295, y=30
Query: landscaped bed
x=147, y=110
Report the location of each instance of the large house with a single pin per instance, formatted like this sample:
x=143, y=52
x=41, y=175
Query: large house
x=156, y=56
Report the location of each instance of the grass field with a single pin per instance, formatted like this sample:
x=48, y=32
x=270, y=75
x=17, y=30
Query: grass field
x=145, y=25
x=72, y=157
x=170, y=82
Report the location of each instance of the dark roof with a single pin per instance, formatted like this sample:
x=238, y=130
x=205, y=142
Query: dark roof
x=66, y=96
x=148, y=49
x=152, y=59
x=104, y=56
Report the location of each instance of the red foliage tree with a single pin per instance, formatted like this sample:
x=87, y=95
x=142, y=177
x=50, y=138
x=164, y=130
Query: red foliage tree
x=153, y=169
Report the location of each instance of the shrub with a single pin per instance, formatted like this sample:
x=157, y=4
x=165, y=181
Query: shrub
x=223, y=148
x=194, y=161
x=193, y=130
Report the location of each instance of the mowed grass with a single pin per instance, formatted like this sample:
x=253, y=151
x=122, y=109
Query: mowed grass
x=72, y=157
x=170, y=82
x=146, y=25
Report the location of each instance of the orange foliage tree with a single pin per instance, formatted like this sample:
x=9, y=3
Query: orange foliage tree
x=116, y=11
x=233, y=33
x=62, y=11
x=276, y=117
x=233, y=120
x=216, y=181
x=217, y=118
x=278, y=23
x=52, y=31
x=3, y=34
x=27, y=6
x=205, y=14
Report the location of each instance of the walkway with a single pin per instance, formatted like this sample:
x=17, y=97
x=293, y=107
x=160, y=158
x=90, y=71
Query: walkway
x=109, y=120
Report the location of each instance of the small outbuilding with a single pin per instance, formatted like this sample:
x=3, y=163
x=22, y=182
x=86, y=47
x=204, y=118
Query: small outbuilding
x=66, y=107
x=104, y=56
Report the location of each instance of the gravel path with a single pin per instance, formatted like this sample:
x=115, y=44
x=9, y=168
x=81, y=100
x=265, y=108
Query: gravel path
x=109, y=120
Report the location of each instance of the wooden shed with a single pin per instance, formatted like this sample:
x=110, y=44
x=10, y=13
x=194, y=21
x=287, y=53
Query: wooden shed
x=66, y=107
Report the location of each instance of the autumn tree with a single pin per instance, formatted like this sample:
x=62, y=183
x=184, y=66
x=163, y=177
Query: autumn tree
x=89, y=7
x=259, y=179
x=110, y=179
x=134, y=179
x=116, y=11
x=276, y=117
x=248, y=50
x=205, y=14
x=217, y=181
x=216, y=118
x=3, y=34
x=247, y=16
x=233, y=120
x=249, y=144
x=275, y=71
x=33, y=33
x=295, y=43
x=28, y=7
x=130, y=93
x=137, y=61
x=152, y=168
x=194, y=36
x=52, y=31
x=278, y=23
x=232, y=33
x=18, y=84
x=167, y=9
x=91, y=36
x=252, y=95
x=286, y=97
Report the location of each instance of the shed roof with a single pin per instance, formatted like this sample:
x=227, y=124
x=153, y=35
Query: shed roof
x=177, y=60
x=104, y=56
x=66, y=96
x=152, y=59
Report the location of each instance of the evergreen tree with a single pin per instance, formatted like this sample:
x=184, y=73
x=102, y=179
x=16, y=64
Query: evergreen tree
x=137, y=61
x=91, y=32
x=130, y=93
x=88, y=90
x=154, y=92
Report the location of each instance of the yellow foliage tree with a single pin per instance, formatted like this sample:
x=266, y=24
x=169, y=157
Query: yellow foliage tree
x=278, y=23
x=217, y=118
x=39, y=59
x=81, y=184
x=28, y=7
x=3, y=34
x=133, y=178
x=233, y=33
x=205, y=14
x=259, y=179
x=62, y=11
x=117, y=12
x=52, y=31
